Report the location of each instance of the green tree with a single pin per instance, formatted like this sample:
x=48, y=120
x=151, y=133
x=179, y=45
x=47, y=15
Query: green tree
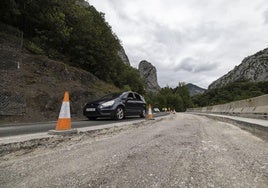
x=183, y=91
x=69, y=31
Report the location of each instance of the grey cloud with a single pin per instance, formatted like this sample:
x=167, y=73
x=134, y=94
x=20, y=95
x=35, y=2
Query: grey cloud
x=265, y=15
x=116, y=4
x=165, y=35
x=206, y=32
x=195, y=66
x=186, y=64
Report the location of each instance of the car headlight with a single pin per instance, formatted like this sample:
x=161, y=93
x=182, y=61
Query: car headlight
x=107, y=104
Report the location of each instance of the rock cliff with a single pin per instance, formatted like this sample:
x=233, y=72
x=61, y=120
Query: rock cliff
x=253, y=68
x=148, y=72
x=122, y=54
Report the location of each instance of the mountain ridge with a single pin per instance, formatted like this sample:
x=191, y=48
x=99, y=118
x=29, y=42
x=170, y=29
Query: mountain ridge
x=253, y=68
x=194, y=89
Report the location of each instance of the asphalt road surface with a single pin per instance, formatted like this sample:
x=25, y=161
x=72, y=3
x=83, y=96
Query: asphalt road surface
x=19, y=129
x=184, y=150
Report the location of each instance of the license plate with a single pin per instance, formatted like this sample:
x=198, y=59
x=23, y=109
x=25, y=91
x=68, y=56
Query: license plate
x=91, y=109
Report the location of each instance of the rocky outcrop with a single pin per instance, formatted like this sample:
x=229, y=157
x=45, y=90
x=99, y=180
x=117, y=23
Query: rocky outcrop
x=123, y=56
x=194, y=90
x=148, y=72
x=253, y=68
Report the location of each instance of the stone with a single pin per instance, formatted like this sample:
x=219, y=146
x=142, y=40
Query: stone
x=149, y=73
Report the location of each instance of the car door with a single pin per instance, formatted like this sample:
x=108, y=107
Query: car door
x=139, y=104
x=130, y=104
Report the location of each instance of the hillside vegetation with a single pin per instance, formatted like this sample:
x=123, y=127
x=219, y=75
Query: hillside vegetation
x=174, y=98
x=74, y=32
x=231, y=92
x=179, y=98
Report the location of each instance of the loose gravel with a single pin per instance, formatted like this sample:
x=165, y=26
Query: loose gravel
x=184, y=150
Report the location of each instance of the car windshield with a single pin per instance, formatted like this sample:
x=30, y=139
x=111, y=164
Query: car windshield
x=111, y=96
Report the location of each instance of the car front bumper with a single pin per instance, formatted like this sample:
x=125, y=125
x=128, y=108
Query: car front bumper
x=98, y=112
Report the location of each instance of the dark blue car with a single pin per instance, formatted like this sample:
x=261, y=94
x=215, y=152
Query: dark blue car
x=116, y=106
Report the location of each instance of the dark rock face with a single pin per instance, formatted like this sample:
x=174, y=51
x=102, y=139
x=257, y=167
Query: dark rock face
x=123, y=56
x=253, y=68
x=148, y=72
x=194, y=90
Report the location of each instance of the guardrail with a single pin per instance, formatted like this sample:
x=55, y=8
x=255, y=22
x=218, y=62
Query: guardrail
x=256, y=107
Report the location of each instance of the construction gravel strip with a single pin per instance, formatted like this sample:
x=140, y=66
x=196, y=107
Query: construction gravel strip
x=184, y=150
x=14, y=143
x=258, y=127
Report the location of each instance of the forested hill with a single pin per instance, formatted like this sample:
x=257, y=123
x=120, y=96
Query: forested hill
x=74, y=32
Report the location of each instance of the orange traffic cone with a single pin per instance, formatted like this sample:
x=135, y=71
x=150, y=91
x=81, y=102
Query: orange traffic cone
x=150, y=114
x=64, y=120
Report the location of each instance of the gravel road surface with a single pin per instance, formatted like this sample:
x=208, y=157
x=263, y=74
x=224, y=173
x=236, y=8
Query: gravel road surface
x=184, y=150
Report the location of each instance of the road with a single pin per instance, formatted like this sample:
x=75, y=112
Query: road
x=19, y=129
x=184, y=150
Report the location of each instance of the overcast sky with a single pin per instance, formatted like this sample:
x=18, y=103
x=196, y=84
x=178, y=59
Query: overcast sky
x=192, y=41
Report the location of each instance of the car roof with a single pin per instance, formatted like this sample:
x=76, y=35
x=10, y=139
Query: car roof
x=127, y=92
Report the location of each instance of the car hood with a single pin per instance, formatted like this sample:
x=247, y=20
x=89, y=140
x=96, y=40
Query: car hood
x=100, y=101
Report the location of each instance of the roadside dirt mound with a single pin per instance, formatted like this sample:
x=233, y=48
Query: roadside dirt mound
x=32, y=90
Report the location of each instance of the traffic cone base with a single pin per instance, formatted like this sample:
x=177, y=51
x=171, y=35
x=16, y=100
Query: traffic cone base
x=63, y=124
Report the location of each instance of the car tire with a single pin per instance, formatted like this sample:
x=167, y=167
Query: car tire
x=143, y=113
x=119, y=113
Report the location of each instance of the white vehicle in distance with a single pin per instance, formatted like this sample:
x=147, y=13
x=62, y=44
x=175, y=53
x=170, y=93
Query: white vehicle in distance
x=156, y=110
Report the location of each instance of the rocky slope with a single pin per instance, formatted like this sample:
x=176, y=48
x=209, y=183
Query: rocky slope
x=34, y=91
x=148, y=72
x=123, y=56
x=253, y=68
x=194, y=90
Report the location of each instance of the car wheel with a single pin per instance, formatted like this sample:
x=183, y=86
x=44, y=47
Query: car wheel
x=119, y=113
x=143, y=113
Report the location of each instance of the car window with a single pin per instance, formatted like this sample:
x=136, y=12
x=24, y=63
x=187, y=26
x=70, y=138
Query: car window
x=124, y=95
x=130, y=96
x=137, y=97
